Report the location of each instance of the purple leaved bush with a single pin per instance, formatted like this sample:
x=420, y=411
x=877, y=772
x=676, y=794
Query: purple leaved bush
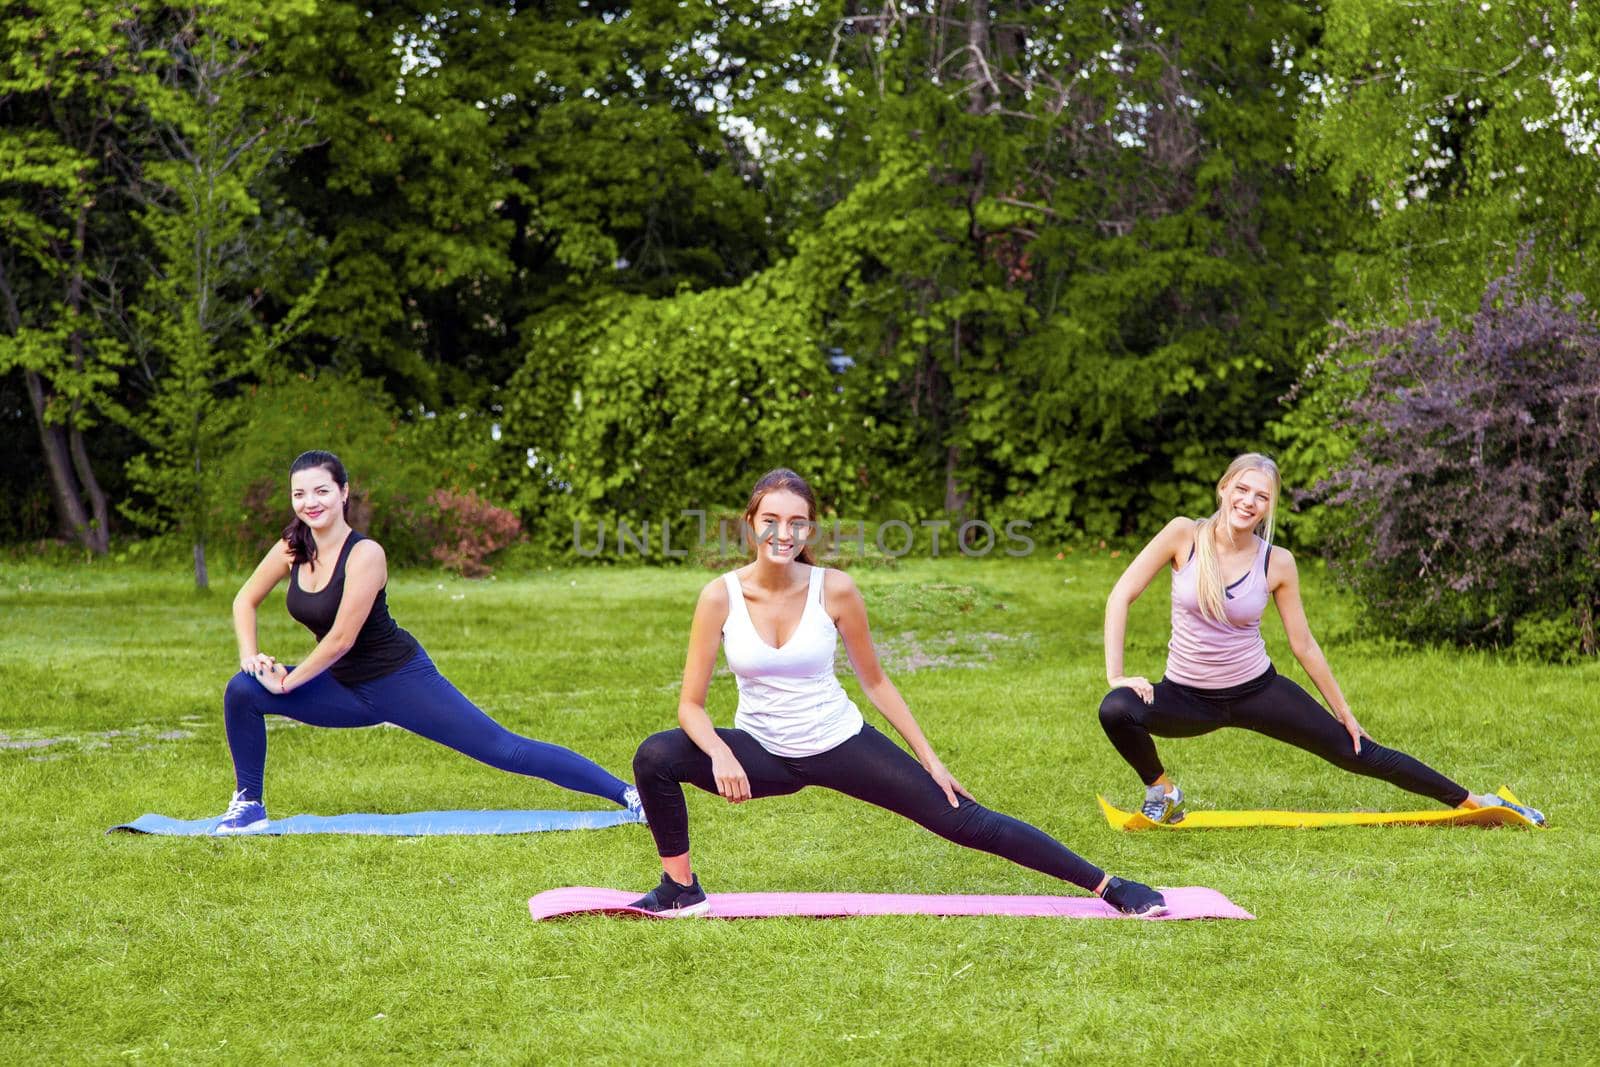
x=1472, y=496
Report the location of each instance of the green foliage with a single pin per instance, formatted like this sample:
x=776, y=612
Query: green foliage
x=1310, y=442
x=1081, y=354
x=69, y=84
x=389, y=481
x=484, y=166
x=1466, y=129
x=681, y=403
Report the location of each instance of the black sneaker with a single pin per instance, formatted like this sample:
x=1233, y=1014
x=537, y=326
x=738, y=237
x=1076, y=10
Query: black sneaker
x=673, y=901
x=1134, y=898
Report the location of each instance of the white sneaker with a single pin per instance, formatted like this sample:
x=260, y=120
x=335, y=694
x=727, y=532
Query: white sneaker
x=631, y=801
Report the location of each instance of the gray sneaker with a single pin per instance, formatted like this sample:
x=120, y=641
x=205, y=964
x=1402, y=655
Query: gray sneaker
x=1495, y=800
x=1161, y=805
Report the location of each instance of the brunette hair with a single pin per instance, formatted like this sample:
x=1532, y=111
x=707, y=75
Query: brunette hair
x=786, y=480
x=297, y=535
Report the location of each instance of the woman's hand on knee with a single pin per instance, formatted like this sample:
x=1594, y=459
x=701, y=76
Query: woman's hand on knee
x=254, y=665
x=732, y=782
x=945, y=780
x=1142, y=686
x=272, y=678
x=1353, y=728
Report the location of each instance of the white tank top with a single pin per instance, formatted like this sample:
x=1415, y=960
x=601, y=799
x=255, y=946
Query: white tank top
x=790, y=700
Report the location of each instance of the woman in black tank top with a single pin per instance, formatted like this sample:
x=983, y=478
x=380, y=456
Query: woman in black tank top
x=364, y=669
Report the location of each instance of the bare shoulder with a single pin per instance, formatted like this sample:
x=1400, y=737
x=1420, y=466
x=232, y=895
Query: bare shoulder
x=714, y=594
x=368, y=552
x=1176, y=539
x=1280, y=566
x=1178, y=528
x=839, y=592
x=837, y=581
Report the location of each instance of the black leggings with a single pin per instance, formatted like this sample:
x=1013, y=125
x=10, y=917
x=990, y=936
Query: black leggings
x=1268, y=704
x=868, y=767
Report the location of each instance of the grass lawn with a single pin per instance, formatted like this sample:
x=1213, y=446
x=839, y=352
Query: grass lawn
x=1390, y=945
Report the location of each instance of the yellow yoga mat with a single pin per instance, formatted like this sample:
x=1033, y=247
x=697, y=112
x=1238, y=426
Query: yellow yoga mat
x=1230, y=820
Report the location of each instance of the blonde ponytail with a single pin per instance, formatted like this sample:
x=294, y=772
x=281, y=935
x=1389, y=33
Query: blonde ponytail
x=1208, y=584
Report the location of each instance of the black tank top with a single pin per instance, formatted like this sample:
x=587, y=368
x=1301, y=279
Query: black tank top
x=381, y=647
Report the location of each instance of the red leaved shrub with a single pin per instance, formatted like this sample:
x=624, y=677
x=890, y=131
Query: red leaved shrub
x=467, y=529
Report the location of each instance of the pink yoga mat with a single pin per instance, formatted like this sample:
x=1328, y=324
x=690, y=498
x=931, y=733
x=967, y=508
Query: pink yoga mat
x=1189, y=902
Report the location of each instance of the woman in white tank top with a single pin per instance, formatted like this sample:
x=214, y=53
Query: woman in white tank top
x=778, y=620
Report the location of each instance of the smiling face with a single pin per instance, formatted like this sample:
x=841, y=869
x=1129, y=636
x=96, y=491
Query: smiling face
x=317, y=497
x=782, y=525
x=1247, y=500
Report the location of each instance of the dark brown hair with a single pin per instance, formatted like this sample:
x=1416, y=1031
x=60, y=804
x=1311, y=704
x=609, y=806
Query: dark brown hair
x=302, y=545
x=782, y=479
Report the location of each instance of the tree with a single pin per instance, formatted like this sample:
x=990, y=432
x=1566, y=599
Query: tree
x=193, y=328
x=68, y=84
x=481, y=168
x=1085, y=256
x=1464, y=130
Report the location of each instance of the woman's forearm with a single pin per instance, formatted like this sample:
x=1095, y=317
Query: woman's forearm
x=892, y=706
x=244, y=629
x=1115, y=635
x=328, y=652
x=1316, y=666
x=698, y=725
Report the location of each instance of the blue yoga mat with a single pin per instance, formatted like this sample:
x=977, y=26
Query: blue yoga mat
x=403, y=824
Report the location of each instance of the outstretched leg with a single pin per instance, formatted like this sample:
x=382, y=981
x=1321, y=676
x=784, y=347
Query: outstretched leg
x=873, y=768
x=418, y=698
x=1286, y=712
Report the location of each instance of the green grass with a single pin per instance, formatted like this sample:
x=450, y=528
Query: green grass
x=1392, y=945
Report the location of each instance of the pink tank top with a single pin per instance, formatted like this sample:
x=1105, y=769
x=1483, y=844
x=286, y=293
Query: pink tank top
x=1208, y=654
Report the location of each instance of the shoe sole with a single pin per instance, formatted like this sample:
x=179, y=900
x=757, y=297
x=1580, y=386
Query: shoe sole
x=228, y=831
x=689, y=912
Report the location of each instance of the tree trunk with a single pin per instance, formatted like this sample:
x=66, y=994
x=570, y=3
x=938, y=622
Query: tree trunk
x=202, y=581
x=53, y=441
x=955, y=501
x=98, y=535
x=100, y=532
x=58, y=460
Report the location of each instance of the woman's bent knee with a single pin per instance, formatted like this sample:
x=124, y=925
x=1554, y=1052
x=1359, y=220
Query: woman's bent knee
x=1121, y=707
x=241, y=692
x=656, y=752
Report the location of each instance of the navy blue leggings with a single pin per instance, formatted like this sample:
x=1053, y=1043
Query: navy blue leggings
x=868, y=767
x=1268, y=704
x=417, y=698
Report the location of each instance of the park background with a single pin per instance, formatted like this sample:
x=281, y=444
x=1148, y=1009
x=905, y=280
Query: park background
x=546, y=267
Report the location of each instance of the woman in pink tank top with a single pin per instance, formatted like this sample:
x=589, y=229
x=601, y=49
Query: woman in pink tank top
x=1224, y=570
